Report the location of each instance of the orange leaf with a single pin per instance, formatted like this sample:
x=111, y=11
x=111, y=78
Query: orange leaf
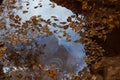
x=52, y=74
x=1, y=55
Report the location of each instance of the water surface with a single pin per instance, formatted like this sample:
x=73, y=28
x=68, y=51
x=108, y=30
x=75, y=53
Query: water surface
x=67, y=55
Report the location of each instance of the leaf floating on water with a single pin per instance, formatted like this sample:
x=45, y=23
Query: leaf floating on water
x=38, y=29
x=35, y=7
x=77, y=41
x=45, y=29
x=63, y=22
x=65, y=27
x=78, y=28
x=69, y=19
x=53, y=17
x=52, y=74
x=56, y=19
x=1, y=44
x=72, y=25
x=3, y=48
x=25, y=11
x=40, y=6
x=73, y=16
x=2, y=25
x=13, y=7
x=20, y=7
x=11, y=16
x=27, y=3
x=18, y=17
x=80, y=40
x=74, y=77
x=52, y=5
x=25, y=38
x=14, y=1
x=68, y=39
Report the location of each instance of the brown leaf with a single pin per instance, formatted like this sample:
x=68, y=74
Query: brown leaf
x=62, y=22
x=69, y=19
x=1, y=55
x=53, y=17
x=25, y=11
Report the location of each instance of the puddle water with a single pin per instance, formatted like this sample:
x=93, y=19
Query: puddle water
x=66, y=55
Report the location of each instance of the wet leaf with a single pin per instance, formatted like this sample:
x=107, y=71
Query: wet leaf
x=104, y=37
x=104, y=21
x=41, y=67
x=20, y=7
x=78, y=28
x=69, y=19
x=77, y=41
x=18, y=17
x=65, y=27
x=52, y=5
x=25, y=11
x=1, y=55
x=35, y=7
x=52, y=74
x=62, y=22
x=84, y=5
x=11, y=16
x=53, y=17
x=1, y=44
x=3, y=48
x=93, y=32
x=111, y=26
x=80, y=40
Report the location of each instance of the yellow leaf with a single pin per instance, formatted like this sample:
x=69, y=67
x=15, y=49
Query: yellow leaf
x=4, y=48
x=93, y=32
x=80, y=40
x=1, y=44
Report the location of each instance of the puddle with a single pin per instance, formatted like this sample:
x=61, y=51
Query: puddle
x=68, y=56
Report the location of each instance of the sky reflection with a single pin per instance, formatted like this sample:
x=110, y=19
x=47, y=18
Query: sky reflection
x=74, y=51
